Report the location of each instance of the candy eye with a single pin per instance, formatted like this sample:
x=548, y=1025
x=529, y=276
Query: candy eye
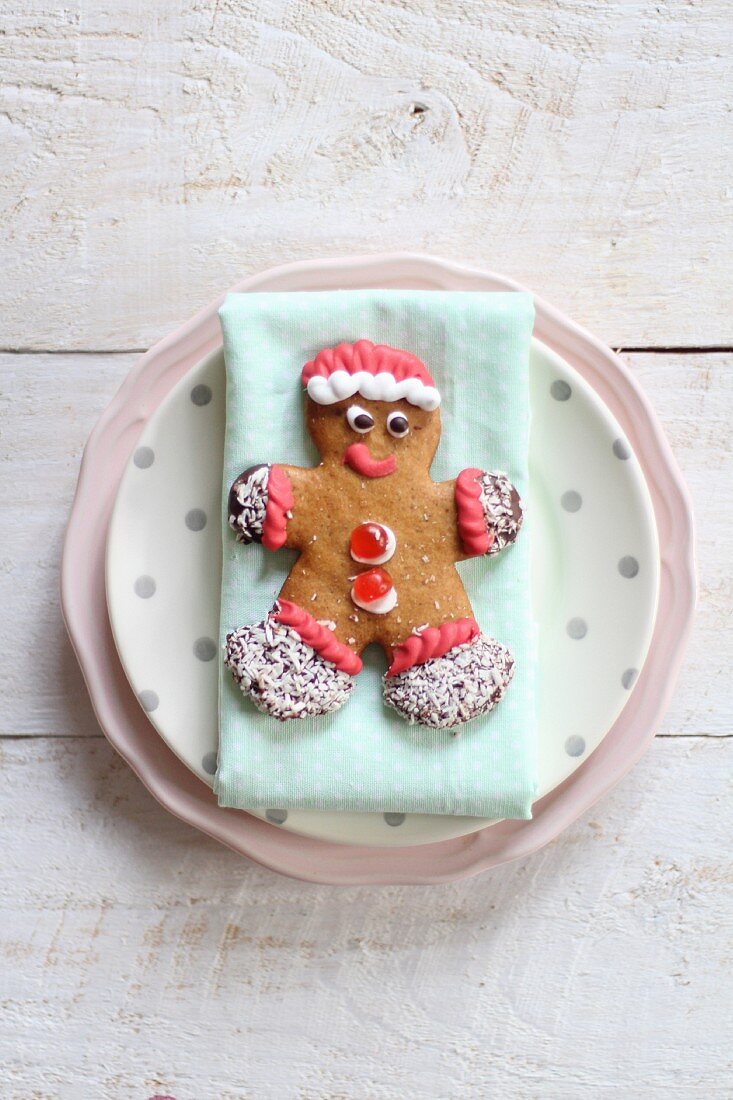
x=397, y=425
x=359, y=419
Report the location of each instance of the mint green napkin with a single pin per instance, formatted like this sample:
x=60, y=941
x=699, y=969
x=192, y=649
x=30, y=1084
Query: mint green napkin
x=364, y=756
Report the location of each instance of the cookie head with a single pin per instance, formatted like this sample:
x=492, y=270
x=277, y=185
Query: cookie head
x=373, y=408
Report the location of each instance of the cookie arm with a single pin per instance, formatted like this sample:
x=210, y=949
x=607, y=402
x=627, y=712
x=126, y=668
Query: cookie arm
x=489, y=512
x=261, y=503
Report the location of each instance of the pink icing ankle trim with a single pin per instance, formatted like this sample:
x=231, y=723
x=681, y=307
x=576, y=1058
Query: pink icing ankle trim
x=317, y=636
x=434, y=641
x=475, y=536
x=280, y=501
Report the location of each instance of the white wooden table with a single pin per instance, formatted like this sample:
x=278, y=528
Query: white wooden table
x=150, y=159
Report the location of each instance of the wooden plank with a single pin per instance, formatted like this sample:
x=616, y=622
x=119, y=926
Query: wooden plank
x=50, y=402
x=151, y=160
x=48, y=406
x=139, y=957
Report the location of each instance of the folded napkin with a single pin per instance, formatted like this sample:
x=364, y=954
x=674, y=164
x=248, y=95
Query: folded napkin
x=364, y=756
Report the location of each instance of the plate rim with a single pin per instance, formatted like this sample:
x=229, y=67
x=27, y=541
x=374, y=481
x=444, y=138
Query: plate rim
x=125, y=724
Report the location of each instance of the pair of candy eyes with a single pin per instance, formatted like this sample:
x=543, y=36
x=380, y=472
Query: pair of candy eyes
x=362, y=421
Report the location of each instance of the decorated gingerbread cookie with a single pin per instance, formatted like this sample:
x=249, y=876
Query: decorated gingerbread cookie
x=378, y=543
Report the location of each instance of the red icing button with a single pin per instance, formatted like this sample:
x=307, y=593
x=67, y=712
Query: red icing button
x=369, y=541
x=372, y=585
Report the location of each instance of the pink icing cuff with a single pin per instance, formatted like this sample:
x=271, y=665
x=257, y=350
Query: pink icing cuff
x=317, y=636
x=280, y=501
x=434, y=641
x=475, y=536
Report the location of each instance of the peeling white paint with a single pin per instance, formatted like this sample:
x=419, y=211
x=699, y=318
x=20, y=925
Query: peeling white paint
x=154, y=157
x=141, y=957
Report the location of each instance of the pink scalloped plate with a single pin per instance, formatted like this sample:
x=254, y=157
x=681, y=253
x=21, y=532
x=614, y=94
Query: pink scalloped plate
x=184, y=794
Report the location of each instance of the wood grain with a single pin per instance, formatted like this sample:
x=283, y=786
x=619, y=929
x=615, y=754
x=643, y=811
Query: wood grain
x=139, y=957
x=153, y=160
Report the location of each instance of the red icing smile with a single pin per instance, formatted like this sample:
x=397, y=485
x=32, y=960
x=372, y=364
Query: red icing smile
x=358, y=458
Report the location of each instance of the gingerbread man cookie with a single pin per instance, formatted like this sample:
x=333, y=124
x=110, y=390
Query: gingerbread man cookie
x=378, y=542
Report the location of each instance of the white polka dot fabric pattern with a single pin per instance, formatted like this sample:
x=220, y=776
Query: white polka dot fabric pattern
x=476, y=348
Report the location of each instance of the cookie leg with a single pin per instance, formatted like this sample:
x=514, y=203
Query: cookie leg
x=448, y=690
x=282, y=665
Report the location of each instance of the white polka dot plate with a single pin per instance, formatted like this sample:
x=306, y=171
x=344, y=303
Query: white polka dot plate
x=116, y=436
x=595, y=582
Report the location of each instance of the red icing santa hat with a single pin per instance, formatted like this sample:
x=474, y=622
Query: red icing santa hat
x=376, y=371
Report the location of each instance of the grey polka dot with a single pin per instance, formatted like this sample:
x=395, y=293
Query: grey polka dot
x=577, y=628
x=621, y=449
x=149, y=700
x=628, y=567
x=571, y=501
x=144, y=457
x=394, y=819
x=560, y=390
x=204, y=649
x=201, y=394
x=144, y=587
x=277, y=817
x=208, y=763
x=575, y=746
x=196, y=519
x=628, y=678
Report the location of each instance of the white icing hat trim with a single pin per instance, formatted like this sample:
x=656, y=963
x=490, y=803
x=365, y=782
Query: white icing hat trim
x=374, y=387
